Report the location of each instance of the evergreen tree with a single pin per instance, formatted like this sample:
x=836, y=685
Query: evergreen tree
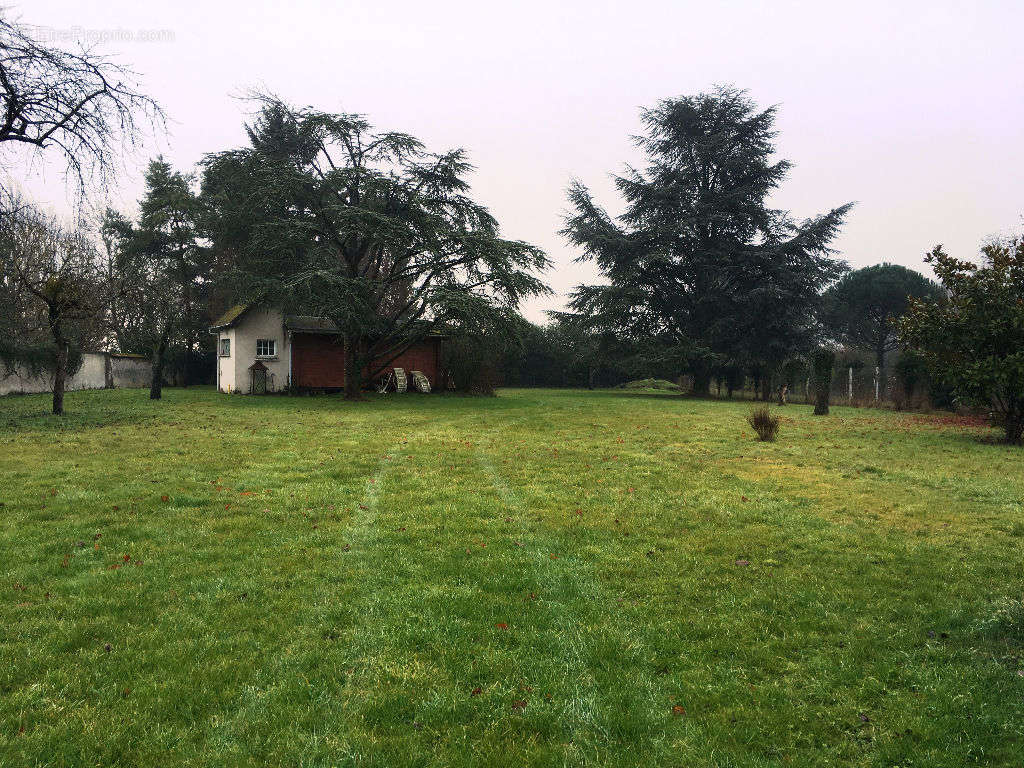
x=861, y=310
x=698, y=265
x=163, y=273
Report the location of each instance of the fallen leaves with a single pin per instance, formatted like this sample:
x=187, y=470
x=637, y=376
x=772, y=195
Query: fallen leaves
x=125, y=560
x=678, y=709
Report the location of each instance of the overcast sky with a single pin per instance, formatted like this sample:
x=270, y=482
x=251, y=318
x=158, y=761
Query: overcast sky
x=915, y=110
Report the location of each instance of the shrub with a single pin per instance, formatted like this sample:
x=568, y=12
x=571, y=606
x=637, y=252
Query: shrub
x=765, y=423
x=660, y=384
x=912, y=374
x=974, y=340
x=471, y=364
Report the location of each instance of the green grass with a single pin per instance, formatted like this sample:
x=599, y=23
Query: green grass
x=543, y=578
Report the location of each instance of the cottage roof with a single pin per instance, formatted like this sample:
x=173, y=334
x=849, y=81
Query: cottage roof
x=230, y=317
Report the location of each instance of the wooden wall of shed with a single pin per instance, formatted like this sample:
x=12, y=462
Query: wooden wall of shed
x=318, y=361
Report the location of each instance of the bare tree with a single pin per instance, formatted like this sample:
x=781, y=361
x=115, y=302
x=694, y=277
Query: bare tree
x=55, y=273
x=78, y=104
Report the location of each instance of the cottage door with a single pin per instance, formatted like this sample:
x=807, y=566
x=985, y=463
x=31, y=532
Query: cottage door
x=258, y=378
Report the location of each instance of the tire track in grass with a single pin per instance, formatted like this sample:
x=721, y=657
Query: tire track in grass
x=259, y=701
x=363, y=532
x=590, y=647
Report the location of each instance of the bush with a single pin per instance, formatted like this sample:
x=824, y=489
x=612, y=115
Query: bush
x=471, y=364
x=973, y=340
x=765, y=423
x=912, y=374
x=660, y=384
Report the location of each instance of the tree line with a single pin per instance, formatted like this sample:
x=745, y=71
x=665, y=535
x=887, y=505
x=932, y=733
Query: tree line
x=323, y=213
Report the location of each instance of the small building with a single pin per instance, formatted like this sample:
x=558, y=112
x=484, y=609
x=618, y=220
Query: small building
x=298, y=351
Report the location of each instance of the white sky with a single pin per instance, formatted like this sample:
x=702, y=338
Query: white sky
x=913, y=109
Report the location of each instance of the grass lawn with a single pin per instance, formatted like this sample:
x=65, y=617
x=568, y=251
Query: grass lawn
x=543, y=578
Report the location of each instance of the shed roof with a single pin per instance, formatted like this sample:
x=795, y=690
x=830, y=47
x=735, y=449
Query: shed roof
x=310, y=324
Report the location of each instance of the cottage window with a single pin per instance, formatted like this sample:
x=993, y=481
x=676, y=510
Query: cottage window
x=266, y=347
x=225, y=347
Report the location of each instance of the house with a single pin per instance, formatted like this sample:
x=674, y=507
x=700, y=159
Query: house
x=262, y=349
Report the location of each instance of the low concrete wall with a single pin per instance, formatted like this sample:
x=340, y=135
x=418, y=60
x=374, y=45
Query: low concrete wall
x=130, y=371
x=99, y=370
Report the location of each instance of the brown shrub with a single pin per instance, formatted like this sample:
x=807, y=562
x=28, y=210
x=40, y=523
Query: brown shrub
x=764, y=422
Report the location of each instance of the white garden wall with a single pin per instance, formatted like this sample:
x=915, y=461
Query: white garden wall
x=99, y=370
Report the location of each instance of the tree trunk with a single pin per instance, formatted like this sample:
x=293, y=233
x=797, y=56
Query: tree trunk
x=702, y=383
x=823, y=362
x=591, y=376
x=353, y=371
x=60, y=368
x=1014, y=426
x=880, y=361
x=157, y=382
x=821, y=402
x=60, y=374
